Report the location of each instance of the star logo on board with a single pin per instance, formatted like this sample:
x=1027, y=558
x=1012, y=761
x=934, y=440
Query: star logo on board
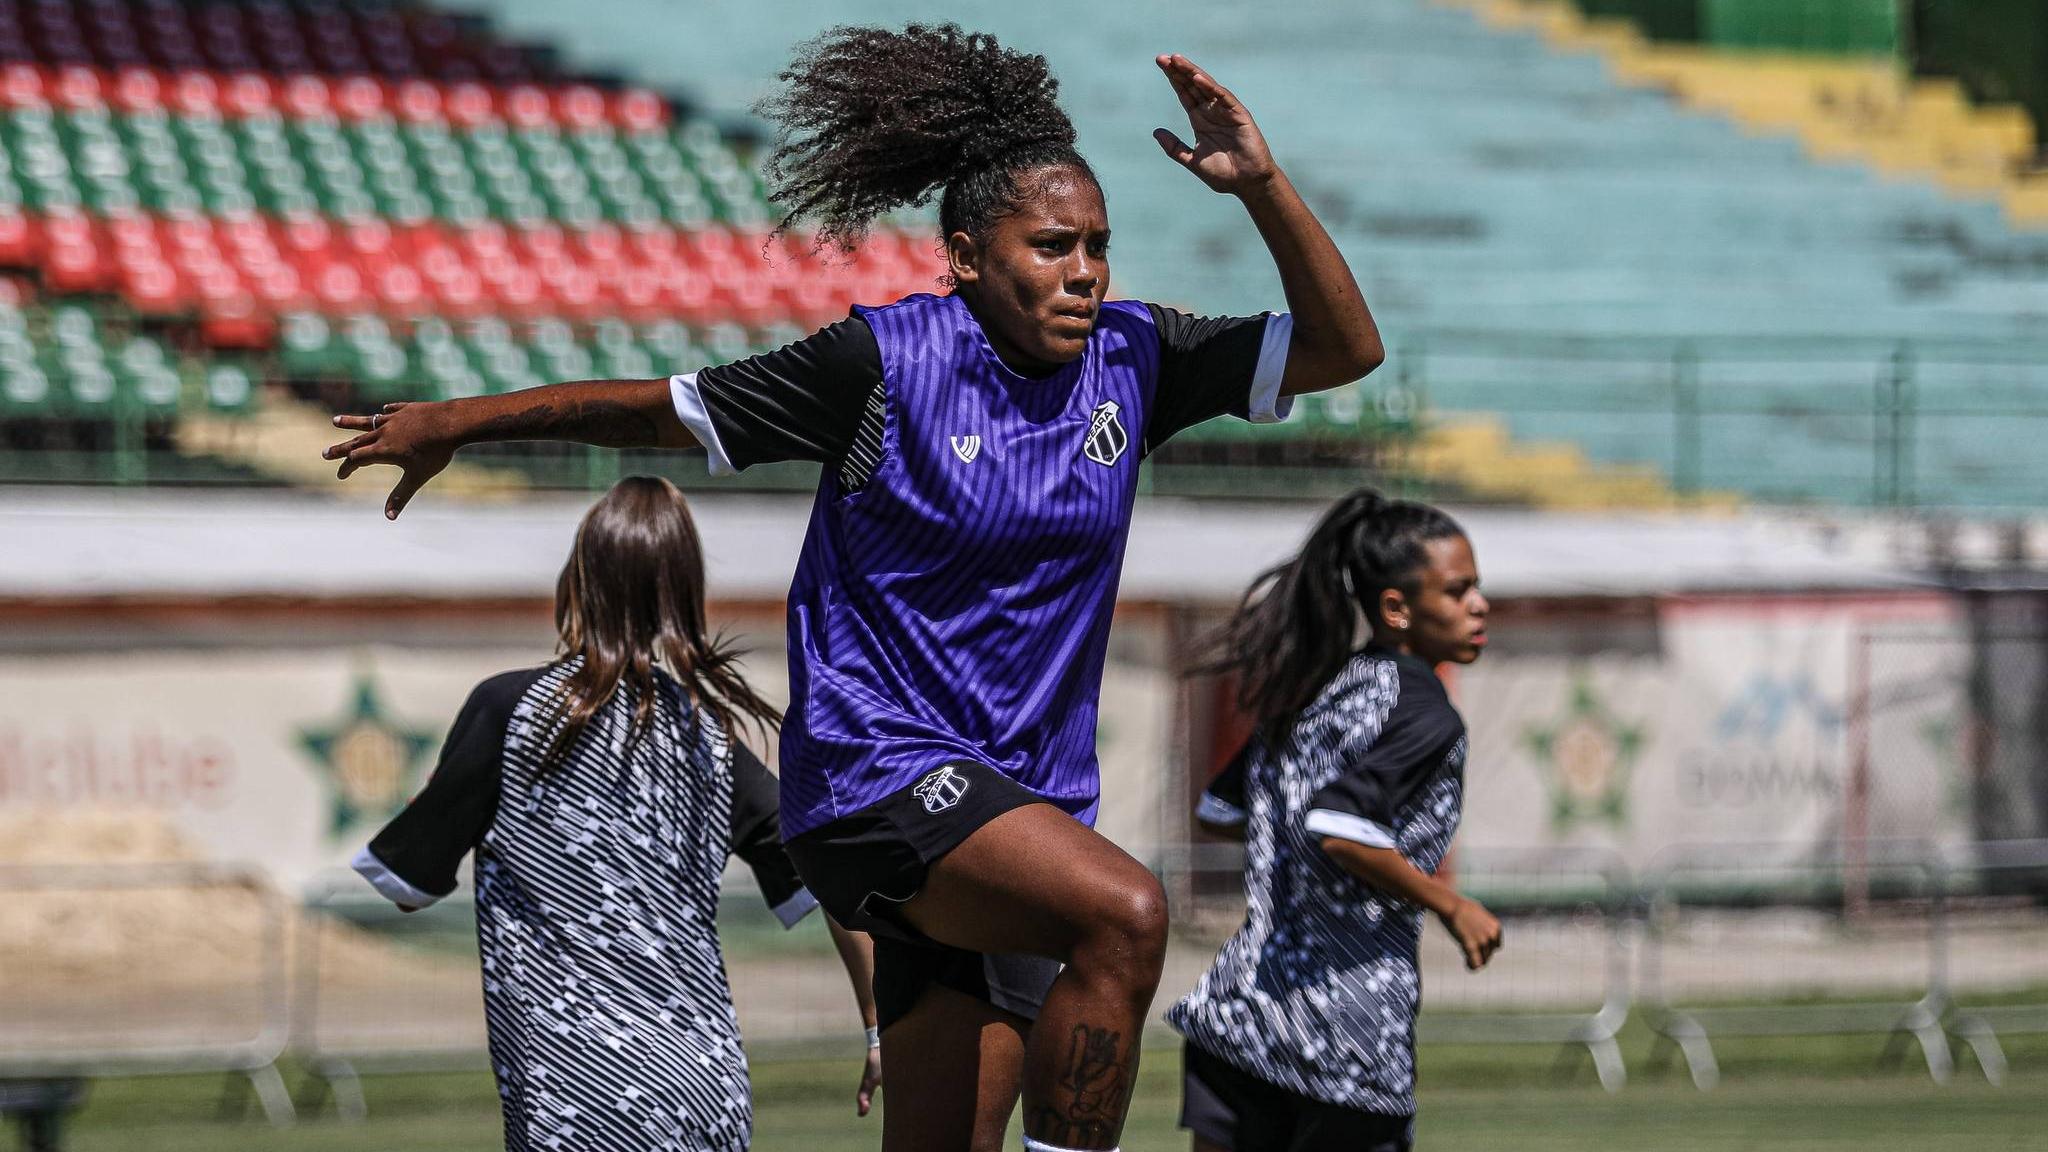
x=1587, y=755
x=367, y=758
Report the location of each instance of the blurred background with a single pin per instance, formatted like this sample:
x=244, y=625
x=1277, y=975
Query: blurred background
x=1720, y=324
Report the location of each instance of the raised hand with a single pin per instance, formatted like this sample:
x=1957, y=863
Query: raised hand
x=1229, y=153
x=404, y=434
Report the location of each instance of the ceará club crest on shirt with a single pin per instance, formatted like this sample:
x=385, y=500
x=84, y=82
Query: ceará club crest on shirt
x=1106, y=436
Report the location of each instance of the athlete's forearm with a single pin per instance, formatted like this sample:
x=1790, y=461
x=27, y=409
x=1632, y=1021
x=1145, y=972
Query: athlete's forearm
x=1391, y=872
x=1335, y=338
x=857, y=952
x=607, y=413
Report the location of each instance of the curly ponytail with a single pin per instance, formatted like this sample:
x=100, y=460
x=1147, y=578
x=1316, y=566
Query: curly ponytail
x=870, y=120
x=1298, y=622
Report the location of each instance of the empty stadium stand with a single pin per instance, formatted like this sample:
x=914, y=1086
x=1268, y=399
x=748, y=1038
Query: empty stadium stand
x=1600, y=286
x=1552, y=243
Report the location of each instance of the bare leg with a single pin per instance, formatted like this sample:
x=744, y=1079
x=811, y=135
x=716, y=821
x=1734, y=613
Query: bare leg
x=1034, y=880
x=951, y=1067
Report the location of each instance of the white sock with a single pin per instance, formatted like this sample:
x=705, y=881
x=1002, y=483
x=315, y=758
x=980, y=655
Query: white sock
x=1031, y=1145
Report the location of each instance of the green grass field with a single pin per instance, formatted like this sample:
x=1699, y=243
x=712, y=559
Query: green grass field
x=1808, y=1095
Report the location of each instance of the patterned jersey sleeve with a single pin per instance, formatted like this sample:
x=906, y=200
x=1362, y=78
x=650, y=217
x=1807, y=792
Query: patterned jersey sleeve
x=413, y=861
x=1223, y=804
x=1213, y=366
x=757, y=838
x=803, y=401
x=1381, y=771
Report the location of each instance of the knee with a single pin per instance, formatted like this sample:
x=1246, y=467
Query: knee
x=1130, y=930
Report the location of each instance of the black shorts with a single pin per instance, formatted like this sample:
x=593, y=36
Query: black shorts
x=864, y=866
x=1235, y=1110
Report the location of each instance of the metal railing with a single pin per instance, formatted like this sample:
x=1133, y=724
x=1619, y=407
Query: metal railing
x=1829, y=952
x=146, y=969
x=1999, y=946
x=1910, y=423
x=376, y=991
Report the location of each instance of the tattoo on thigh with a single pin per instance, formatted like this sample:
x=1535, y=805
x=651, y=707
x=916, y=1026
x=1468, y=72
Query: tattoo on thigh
x=1093, y=1089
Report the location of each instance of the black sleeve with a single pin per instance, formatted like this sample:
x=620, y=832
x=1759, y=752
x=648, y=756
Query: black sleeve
x=1380, y=775
x=1205, y=369
x=803, y=401
x=757, y=837
x=1223, y=801
x=424, y=843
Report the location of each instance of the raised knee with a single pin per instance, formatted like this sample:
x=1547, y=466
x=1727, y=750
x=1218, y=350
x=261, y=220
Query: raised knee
x=1132, y=927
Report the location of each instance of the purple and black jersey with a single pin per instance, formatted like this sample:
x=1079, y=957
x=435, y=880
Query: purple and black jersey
x=954, y=594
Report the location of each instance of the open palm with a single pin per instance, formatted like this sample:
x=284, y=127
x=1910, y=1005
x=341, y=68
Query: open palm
x=1229, y=153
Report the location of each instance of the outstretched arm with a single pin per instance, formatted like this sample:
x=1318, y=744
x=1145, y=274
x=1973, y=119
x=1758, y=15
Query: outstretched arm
x=857, y=952
x=420, y=438
x=1335, y=340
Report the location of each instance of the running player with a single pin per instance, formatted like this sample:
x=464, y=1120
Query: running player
x=951, y=608
x=1301, y=1036
x=602, y=795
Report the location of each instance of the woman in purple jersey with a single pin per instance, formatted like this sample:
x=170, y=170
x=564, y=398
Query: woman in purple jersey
x=951, y=608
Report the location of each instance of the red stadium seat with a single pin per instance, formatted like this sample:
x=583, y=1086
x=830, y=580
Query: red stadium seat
x=248, y=94
x=359, y=98
x=638, y=110
x=469, y=104
x=418, y=101
x=137, y=90
x=17, y=240
x=22, y=86
x=308, y=96
x=195, y=93
x=77, y=87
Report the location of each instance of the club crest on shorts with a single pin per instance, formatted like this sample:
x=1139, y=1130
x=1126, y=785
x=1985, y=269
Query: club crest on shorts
x=1106, y=436
x=967, y=448
x=941, y=789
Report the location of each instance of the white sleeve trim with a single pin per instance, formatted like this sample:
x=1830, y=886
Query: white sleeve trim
x=689, y=404
x=1345, y=826
x=389, y=884
x=1215, y=810
x=796, y=907
x=1267, y=405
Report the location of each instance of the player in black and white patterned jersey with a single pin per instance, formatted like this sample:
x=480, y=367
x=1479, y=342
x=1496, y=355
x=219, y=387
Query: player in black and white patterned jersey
x=1301, y=1036
x=603, y=795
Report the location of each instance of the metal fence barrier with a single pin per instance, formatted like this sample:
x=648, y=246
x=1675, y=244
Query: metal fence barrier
x=144, y=969
x=377, y=990
x=1562, y=974
x=133, y=970
x=1838, y=949
x=1998, y=946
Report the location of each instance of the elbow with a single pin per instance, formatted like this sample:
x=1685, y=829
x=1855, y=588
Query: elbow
x=1364, y=357
x=1352, y=360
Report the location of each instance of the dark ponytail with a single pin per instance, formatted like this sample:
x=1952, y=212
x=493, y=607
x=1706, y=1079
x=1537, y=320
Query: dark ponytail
x=870, y=120
x=1298, y=622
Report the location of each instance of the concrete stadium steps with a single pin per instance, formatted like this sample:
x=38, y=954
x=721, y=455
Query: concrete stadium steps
x=283, y=438
x=1476, y=455
x=1865, y=110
